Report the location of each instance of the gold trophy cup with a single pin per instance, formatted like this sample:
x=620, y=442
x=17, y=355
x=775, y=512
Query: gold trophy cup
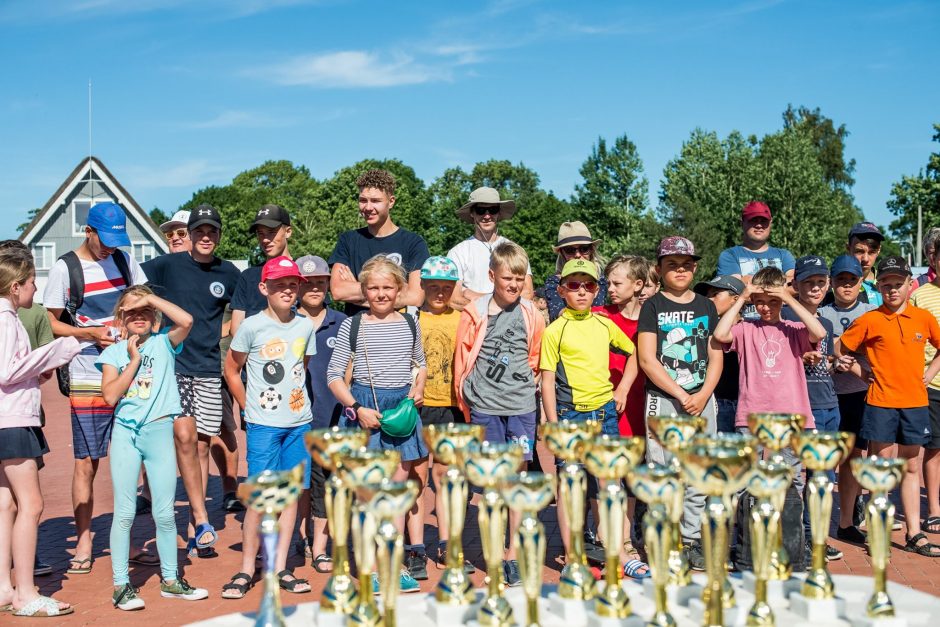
x=486, y=465
x=611, y=459
x=444, y=442
x=879, y=476
x=567, y=440
x=269, y=493
x=327, y=447
x=720, y=468
x=658, y=486
x=529, y=493
x=387, y=501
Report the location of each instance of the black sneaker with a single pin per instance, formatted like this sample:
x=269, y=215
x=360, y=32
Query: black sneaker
x=832, y=553
x=511, y=573
x=468, y=568
x=230, y=503
x=851, y=534
x=417, y=565
x=695, y=555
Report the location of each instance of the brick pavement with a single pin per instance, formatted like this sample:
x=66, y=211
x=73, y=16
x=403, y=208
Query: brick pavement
x=91, y=594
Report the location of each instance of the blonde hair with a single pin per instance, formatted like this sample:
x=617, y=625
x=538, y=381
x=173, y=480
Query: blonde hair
x=511, y=256
x=653, y=275
x=133, y=290
x=383, y=264
x=637, y=268
x=769, y=277
x=16, y=266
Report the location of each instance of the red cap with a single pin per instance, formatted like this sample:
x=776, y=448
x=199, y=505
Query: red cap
x=755, y=209
x=280, y=267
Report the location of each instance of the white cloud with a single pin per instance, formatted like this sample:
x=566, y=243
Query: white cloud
x=350, y=69
x=192, y=173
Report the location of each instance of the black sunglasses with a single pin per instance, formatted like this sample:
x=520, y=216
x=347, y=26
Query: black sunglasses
x=584, y=249
x=481, y=210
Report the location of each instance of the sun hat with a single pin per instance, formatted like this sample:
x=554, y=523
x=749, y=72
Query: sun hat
x=280, y=267
x=486, y=196
x=676, y=245
x=180, y=218
x=727, y=282
x=576, y=266
x=109, y=220
x=439, y=268
x=571, y=233
x=311, y=265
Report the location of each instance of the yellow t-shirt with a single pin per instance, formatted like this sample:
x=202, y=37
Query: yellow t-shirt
x=928, y=297
x=438, y=335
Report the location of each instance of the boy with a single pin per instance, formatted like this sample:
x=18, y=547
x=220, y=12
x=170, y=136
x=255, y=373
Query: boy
x=681, y=362
x=380, y=236
x=323, y=405
x=895, y=336
x=651, y=286
x=496, y=365
x=865, y=244
x=276, y=344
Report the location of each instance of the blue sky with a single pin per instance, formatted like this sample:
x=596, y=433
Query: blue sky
x=188, y=93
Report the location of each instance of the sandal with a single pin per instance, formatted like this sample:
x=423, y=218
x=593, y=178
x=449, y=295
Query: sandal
x=318, y=562
x=193, y=550
x=43, y=607
x=201, y=530
x=634, y=569
x=292, y=584
x=79, y=566
x=931, y=525
x=927, y=549
x=145, y=559
x=233, y=590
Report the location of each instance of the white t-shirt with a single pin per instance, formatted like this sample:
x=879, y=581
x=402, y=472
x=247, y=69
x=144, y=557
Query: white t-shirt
x=473, y=259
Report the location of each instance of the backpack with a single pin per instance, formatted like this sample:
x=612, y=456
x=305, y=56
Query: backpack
x=354, y=324
x=77, y=297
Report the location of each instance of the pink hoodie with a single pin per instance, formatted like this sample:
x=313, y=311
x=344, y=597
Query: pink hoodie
x=20, y=369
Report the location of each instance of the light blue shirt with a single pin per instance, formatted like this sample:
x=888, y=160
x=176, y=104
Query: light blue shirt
x=276, y=395
x=739, y=260
x=153, y=393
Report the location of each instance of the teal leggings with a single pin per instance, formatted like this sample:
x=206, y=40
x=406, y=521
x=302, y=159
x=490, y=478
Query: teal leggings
x=152, y=445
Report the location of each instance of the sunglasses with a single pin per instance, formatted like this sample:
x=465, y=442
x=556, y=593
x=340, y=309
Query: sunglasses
x=574, y=286
x=180, y=233
x=584, y=249
x=482, y=211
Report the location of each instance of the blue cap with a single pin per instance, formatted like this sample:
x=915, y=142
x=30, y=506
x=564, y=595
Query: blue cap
x=810, y=265
x=108, y=219
x=845, y=263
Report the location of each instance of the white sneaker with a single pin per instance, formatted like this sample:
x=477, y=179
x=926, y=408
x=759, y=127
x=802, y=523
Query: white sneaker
x=126, y=599
x=180, y=589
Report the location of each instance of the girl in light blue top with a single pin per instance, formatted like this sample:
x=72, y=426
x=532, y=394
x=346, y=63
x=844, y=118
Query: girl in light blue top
x=139, y=379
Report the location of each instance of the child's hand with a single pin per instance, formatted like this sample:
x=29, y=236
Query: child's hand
x=369, y=418
x=695, y=404
x=844, y=363
x=100, y=336
x=417, y=396
x=812, y=358
x=780, y=292
x=132, y=347
x=620, y=399
x=749, y=290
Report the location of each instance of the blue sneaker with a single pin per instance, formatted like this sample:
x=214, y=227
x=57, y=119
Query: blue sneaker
x=407, y=583
x=376, y=590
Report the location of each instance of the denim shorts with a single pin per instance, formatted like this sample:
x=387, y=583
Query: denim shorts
x=909, y=426
x=606, y=414
x=827, y=419
x=277, y=448
x=411, y=447
x=727, y=410
x=516, y=428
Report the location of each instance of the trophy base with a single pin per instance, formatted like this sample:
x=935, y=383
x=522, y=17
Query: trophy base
x=675, y=595
x=732, y=616
x=442, y=614
x=817, y=610
x=571, y=611
x=778, y=590
x=593, y=620
x=868, y=621
x=330, y=619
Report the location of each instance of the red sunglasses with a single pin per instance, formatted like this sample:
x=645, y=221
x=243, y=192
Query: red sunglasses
x=574, y=286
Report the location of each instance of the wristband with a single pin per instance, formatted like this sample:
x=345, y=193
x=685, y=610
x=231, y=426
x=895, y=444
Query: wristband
x=355, y=407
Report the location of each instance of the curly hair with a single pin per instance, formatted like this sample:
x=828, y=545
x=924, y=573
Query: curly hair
x=378, y=179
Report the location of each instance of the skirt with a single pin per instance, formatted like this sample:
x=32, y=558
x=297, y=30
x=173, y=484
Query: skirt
x=23, y=442
x=411, y=447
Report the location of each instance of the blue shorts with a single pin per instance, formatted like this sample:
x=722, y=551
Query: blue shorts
x=606, y=414
x=727, y=410
x=827, y=419
x=517, y=428
x=411, y=447
x=277, y=448
x=909, y=426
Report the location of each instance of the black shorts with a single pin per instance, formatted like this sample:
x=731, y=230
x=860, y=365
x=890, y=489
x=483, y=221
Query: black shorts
x=23, y=443
x=318, y=478
x=851, y=410
x=933, y=408
x=909, y=426
x=441, y=415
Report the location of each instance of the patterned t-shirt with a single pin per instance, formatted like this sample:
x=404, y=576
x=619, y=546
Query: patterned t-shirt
x=438, y=336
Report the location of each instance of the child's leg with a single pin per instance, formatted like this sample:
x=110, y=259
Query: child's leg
x=438, y=470
x=7, y=517
x=187, y=457
x=125, y=468
x=203, y=444
x=20, y=478
x=291, y=450
x=417, y=470
x=521, y=430
x=155, y=442
x=932, y=481
x=287, y=520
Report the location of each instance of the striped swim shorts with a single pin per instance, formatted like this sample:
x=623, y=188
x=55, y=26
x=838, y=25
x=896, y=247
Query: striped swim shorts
x=201, y=398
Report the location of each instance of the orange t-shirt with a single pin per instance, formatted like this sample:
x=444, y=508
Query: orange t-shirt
x=895, y=344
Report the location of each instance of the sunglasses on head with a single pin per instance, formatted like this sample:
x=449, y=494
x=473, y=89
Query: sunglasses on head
x=584, y=249
x=574, y=286
x=180, y=233
x=482, y=210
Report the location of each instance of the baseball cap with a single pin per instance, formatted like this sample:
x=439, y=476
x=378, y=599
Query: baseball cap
x=280, y=267
x=676, y=245
x=439, y=268
x=810, y=265
x=204, y=214
x=865, y=229
x=845, y=263
x=894, y=265
x=726, y=282
x=311, y=265
x=180, y=218
x=108, y=219
x=580, y=265
x=271, y=216
x=755, y=209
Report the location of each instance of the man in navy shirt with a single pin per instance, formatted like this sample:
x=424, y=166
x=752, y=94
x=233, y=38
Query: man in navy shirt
x=202, y=284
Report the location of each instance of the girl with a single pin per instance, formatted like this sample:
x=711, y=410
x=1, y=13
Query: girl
x=138, y=377
x=386, y=347
x=22, y=444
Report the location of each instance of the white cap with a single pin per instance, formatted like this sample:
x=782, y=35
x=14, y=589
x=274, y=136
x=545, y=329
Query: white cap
x=180, y=218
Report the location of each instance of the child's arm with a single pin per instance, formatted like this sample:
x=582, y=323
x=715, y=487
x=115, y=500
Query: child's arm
x=234, y=363
x=418, y=357
x=114, y=385
x=15, y=370
x=817, y=332
x=368, y=418
x=548, y=396
x=695, y=404
x=182, y=321
x=623, y=388
x=722, y=333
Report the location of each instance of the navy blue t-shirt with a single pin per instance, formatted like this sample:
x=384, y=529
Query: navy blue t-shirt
x=355, y=248
x=819, y=384
x=248, y=297
x=202, y=290
x=326, y=409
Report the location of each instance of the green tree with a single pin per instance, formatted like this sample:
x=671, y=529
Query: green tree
x=158, y=217
x=920, y=190
x=828, y=141
x=30, y=216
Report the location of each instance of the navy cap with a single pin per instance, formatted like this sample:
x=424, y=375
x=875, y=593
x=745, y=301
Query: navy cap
x=727, y=282
x=810, y=265
x=108, y=219
x=846, y=263
x=865, y=229
x=894, y=265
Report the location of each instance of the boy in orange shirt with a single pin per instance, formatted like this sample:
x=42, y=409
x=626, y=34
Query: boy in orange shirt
x=894, y=337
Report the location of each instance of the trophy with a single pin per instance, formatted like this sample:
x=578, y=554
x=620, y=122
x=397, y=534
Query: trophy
x=444, y=441
x=819, y=451
x=567, y=440
x=486, y=465
x=769, y=479
x=327, y=447
x=674, y=433
x=879, y=476
x=720, y=468
x=611, y=459
x=386, y=501
x=529, y=493
x=775, y=433
x=659, y=487
x=357, y=468
x=269, y=493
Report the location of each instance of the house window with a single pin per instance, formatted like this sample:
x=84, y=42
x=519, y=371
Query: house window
x=44, y=256
x=143, y=251
x=80, y=216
